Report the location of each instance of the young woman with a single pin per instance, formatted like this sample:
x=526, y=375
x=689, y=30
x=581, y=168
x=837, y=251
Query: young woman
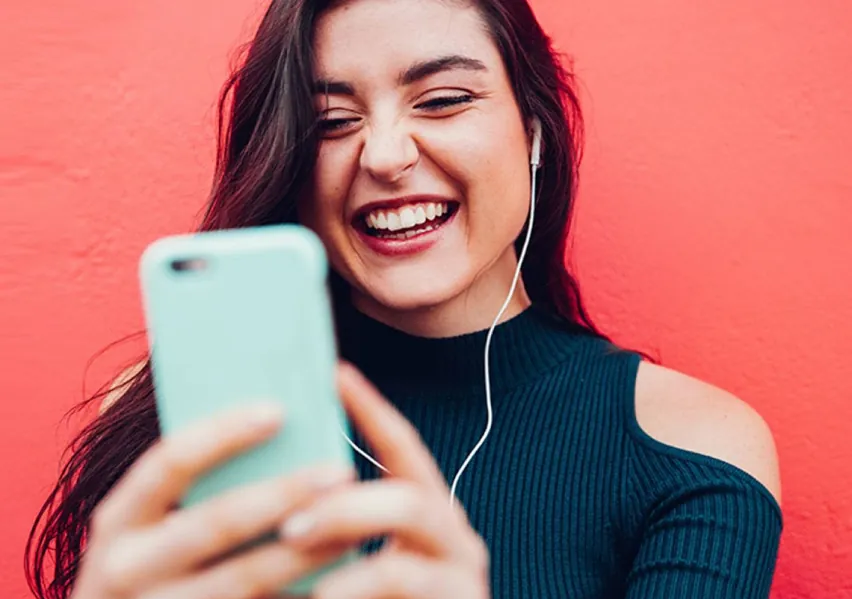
x=402, y=132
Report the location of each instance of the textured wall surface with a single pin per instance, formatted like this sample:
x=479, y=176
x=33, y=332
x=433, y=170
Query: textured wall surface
x=713, y=228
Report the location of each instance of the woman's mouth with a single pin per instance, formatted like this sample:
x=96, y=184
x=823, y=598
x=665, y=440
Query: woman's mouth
x=406, y=228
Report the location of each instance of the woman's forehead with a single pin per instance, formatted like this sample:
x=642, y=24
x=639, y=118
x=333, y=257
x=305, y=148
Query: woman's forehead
x=387, y=37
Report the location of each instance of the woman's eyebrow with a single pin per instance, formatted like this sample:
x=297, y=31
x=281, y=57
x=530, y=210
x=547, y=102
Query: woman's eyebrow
x=426, y=68
x=416, y=72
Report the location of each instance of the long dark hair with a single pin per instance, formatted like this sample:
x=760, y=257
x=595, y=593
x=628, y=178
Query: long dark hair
x=266, y=152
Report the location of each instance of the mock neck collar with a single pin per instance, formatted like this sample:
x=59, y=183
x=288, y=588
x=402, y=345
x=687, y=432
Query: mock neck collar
x=521, y=349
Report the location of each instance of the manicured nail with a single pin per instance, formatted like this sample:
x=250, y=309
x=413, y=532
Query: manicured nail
x=297, y=526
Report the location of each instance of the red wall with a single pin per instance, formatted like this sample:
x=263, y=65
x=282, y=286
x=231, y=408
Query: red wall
x=713, y=227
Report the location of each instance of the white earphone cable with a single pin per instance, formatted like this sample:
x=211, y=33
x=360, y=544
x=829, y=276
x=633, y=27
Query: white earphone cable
x=366, y=456
x=509, y=297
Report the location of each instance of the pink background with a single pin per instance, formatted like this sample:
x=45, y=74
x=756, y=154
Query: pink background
x=713, y=226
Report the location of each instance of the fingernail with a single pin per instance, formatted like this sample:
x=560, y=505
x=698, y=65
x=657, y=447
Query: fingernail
x=297, y=526
x=264, y=417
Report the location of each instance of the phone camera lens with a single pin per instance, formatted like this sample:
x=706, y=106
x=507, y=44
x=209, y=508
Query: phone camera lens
x=188, y=265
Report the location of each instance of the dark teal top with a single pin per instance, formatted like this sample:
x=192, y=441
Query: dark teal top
x=574, y=500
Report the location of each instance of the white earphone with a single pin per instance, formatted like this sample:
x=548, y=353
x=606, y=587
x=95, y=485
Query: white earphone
x=535, y=164
x=535, y=152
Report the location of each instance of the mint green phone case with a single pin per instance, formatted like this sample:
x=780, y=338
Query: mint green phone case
x=242, y=315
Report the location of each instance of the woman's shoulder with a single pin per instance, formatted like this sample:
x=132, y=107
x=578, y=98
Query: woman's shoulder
x=681, y=412
x=118, y=387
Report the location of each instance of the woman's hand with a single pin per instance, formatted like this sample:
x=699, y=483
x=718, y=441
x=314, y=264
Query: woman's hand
x=433, y=554
x=141, y=548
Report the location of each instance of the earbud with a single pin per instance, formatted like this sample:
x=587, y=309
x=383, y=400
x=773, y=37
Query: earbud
x=535, y=153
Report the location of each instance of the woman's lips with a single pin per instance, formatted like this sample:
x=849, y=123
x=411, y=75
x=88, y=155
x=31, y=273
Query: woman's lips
x=420, y=242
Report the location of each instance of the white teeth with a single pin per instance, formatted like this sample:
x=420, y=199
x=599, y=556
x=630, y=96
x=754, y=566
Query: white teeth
x=410, y=233
x=420, y=215
x=407, y=217
x=394, y=223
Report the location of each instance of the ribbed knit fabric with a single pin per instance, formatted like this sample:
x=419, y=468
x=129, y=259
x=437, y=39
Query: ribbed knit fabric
x=574, y=500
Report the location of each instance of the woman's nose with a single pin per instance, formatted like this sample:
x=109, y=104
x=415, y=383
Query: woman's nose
x=389, y=153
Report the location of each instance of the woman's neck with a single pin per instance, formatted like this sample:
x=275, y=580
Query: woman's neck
x=472, y=310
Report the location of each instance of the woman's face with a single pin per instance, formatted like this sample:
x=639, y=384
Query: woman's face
x=422, y=178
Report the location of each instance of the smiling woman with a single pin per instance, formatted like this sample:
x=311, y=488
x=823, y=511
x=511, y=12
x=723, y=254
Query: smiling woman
x=408, y=129
x=401, y=132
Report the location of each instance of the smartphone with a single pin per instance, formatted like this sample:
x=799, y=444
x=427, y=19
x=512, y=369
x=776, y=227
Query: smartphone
x=242, y=315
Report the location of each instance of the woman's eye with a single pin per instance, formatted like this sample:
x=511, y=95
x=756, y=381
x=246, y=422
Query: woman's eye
x=335, y=125
x=446, y=102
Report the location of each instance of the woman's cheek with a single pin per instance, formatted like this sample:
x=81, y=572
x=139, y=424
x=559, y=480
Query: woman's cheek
x=324, y=206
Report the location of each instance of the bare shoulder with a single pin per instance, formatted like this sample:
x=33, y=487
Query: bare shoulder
x=684, y=412
x=119, y=385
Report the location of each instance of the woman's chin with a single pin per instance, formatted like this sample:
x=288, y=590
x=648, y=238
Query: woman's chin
x=408, y=294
